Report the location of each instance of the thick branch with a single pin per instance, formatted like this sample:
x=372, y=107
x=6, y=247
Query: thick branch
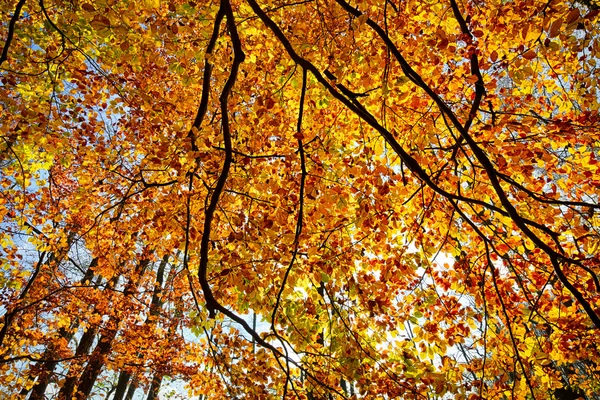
x=206, y=79
x=362, y=113
x=485, y=162
x=211, y=303
x=11, y=31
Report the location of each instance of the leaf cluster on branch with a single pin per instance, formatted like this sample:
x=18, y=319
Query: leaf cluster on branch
x=307, y=199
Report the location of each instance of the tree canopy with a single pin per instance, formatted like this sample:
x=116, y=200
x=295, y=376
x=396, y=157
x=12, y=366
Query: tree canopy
x=303, y=199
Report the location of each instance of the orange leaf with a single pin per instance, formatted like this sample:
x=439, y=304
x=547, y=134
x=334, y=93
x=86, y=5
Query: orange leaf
x=530, y=55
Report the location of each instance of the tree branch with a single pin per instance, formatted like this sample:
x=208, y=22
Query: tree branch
x=11, y=31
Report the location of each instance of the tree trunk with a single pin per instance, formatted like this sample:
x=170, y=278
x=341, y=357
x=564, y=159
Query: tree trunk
x=122, y=385
x=155, y=306
x=66, y=391
x=131, y=390
x=83, y=348
x=155, y=387
x=94, y=366
x=87, y=380
x=46, y=369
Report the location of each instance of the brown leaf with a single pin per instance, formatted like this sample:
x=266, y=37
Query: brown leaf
x=555, y=28
x=530, y=55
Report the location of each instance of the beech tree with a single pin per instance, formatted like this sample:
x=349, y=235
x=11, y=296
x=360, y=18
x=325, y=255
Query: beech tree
x=403, y=193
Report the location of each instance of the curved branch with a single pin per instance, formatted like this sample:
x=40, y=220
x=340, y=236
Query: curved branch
x=203, y=107
x=301, y=208
x=479, y=84
x=11, y=31
x=211, y=304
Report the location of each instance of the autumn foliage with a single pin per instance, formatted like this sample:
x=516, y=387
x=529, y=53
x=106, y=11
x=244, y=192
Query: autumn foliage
x=303, y=199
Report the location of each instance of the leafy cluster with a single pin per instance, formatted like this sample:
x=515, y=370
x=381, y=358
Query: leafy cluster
x=307, y=199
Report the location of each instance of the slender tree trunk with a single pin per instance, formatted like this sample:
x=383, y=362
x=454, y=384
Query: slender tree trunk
x=155, y=306
x=66, y=391
x=122, y=385
x=82, y=350
x=131, y=390
x=97, y=359
x=155, y=303
x=46, y=369
x=155, y=386
x=94, y=366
